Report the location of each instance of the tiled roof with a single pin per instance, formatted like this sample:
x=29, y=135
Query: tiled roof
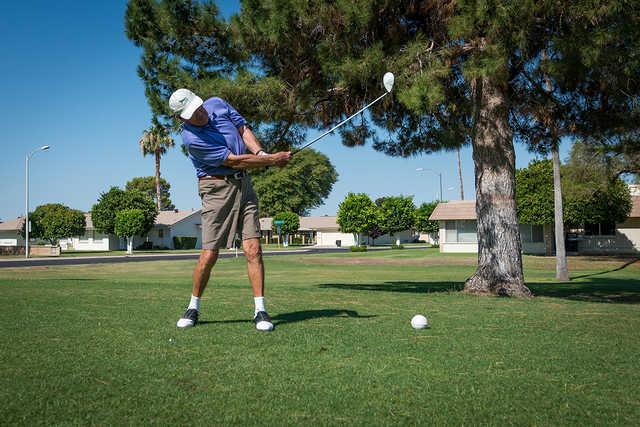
x=466, y=209
x=12, y=224
x=458, y=209
x=172, y=217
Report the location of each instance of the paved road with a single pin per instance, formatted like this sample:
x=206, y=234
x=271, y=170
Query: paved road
x=33, y=262
x=36, y=262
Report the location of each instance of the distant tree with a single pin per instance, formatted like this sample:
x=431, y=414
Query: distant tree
x=155, y=141
x=290, y=226
x=147, y=185
x=129, y=223
x=398, y=214
x=594, y=195
x=534, y=193
x=375, y=225
x=103, y=213
x=302, y=185
x=590, y=196
x=421, y=218
x=357, y=214
x=55, y=221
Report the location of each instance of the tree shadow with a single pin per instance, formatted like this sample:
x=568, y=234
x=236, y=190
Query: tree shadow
x=622, y=267
x=398, y=286
x=298, y=316
x=593, y=289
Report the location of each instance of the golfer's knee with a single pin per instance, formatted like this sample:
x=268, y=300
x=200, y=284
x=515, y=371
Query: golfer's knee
x=253, y=253
x=208, y=257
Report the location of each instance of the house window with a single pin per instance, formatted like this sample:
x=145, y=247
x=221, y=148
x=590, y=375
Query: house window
x=451, y=234
x=461, y=231
x=161, y=233
x=602, y=229
x=531, y=233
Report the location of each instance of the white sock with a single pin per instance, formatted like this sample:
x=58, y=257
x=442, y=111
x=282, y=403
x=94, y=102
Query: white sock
x=194, y=303
x=259, y=301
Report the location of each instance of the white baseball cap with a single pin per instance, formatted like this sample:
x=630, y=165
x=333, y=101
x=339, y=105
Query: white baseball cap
x=185, y=102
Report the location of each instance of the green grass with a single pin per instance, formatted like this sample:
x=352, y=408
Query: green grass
x=98, y=344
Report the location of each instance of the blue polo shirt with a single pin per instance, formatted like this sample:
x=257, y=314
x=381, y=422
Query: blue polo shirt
x=211, y=144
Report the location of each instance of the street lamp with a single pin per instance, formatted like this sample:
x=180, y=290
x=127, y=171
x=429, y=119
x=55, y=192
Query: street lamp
x=26, y=197
x=437, y=173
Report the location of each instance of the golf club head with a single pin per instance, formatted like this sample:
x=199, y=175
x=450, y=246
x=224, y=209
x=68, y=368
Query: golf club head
x=388, y=80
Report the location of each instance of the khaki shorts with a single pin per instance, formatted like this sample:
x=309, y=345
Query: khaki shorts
x=229, y=207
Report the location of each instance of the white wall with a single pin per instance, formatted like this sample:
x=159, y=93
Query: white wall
x=328, y=238
x=537, y=248
x=188, y=227
x=11, y=238
x=406, y=236
x=86, y=244
x=626, y=240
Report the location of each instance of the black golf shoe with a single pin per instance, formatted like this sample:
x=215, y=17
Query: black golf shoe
x=188, y=319
x=263, y=321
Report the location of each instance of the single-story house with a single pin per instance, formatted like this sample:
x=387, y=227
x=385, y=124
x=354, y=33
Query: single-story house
x=170, y=224
x=623, y=238
x=167, y=225
x=10, y=232
x=458, y=233
x=325, y=231
x=91, y=240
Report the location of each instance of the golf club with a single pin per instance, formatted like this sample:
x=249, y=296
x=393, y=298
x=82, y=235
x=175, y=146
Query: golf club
x=387, y=81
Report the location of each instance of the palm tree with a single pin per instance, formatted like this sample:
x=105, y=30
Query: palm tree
x=156, y=140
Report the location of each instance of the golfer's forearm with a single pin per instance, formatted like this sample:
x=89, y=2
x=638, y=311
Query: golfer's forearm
x=248, y=161
x=250, y=140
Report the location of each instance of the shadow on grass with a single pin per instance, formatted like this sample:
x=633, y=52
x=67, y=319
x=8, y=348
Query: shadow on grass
x=622, y=267
x=593, y=289
x=404, y=286
x=298, y=316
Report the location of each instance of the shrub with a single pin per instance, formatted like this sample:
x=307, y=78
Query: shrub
x=361, y=248
x=394, y=246
x=145, y=246
x=184, y=242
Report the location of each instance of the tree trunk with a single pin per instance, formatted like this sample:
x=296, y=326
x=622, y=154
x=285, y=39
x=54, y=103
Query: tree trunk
x=549, y=247
x=460, y=176
x=499, y=269
x=158, y=199
x=130, y=245
x=562, y=273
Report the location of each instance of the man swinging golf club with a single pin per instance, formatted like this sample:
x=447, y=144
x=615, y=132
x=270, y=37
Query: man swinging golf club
x=217, y=137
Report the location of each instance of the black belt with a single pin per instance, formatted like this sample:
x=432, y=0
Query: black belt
x=238, y=175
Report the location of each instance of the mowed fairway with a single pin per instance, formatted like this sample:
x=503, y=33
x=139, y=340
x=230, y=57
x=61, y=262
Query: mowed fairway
x=98, y=344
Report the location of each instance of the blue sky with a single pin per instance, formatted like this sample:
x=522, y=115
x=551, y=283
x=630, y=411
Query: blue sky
x=69, y=80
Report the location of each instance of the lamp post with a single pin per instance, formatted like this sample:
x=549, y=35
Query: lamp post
x=437, y=173
x=26, y=198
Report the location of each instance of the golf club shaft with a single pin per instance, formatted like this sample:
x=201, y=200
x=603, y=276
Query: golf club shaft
x=341, y=123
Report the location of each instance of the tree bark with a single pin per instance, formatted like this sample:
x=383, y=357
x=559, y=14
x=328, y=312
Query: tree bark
x=562, y=272
x=499, y=270
x=460, y=175
x=158, y=199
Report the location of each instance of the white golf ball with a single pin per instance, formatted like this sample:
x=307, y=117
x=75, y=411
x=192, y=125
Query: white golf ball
x=419, y=322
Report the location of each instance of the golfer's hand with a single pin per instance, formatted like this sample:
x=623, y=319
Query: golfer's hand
x=281, y=158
